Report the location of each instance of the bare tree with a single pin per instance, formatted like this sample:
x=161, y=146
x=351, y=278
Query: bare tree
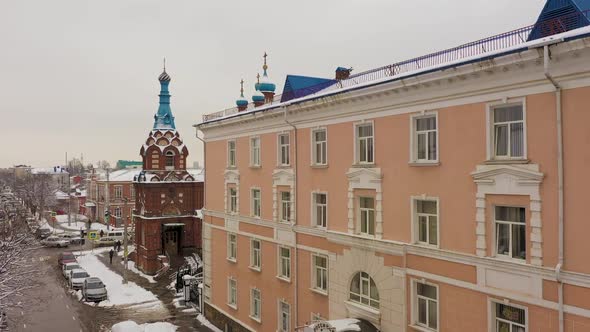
x=103, y=164
x=75, y=167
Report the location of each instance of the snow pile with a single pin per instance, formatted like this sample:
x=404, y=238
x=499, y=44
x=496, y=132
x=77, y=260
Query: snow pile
x=132, y=268
x=207, y=323
x=131, y=326
x=118, y=293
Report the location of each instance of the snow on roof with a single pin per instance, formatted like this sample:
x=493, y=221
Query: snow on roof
x=123, y=175
x=49, y=170
x=336, y=89
x=197, y=173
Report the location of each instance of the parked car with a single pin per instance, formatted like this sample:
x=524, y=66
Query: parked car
x=67, y=267
x=94, y=290
x=66, y=257
x=115, y=234
x=77, y=278
x=73, y=238
x=55, y=241
x=43, y=232
x=104, y=241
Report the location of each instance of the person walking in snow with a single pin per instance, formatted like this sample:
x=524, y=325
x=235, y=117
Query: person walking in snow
x=118, y=245
x=111, y=253
x=101, y=233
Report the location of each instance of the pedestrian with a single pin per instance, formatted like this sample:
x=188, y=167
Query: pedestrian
x=111, y=253
x=101, y=233
x=81, y=232
x=118, y=245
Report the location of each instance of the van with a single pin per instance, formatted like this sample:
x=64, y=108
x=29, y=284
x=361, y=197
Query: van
x=115, y=234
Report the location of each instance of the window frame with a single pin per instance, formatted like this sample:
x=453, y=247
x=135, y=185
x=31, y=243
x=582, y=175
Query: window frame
x=415, y=220
x=361, y=295
x=414, y=137
x=255, y=152
x=233, y=199
x=253, y=201
x=415, y=306
x=280, y=318
x=169, y=156
x=281, y=261
x=314, y=147
x=280, y=147
x=492, y=313
x=314, y=210
x=258, y=317
x=285, y=207
x=495, y=236
x=253, y=254
x=314, y=274
x=231, y=159
x=360, y=212
x=357, y=159
x=118, y=191
x=232, y=247
x=232, y=282
x=491, y=132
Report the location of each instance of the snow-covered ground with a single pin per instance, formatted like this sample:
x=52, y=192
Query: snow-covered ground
x=82, y=222
x=207, y=323
x=44, y=224
x=132, y=268
x=118, y=293
x=131, y=326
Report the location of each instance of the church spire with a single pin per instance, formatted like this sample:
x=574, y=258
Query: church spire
x=164, y=118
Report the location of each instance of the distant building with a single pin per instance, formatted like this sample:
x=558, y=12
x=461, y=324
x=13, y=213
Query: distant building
x=108, y=193
x=121, y=164
x=169, y=196
x=59, y=175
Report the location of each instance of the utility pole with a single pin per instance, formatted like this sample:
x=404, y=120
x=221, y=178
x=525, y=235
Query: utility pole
x=125, y=240
x=107, y=200
x=69, y=192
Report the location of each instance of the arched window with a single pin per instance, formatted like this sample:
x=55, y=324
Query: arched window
x=364, y=291
x=169, y=159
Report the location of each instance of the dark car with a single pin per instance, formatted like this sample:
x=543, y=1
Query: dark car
x=65, y=257
x=43, y=232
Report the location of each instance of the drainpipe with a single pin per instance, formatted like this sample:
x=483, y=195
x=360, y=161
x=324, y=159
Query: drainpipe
x=204, y=168
x=560, y=201
x=295, y=269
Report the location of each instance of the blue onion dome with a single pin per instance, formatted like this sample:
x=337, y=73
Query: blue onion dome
x=265, y=85
x=164, y=77
x=257, y=96
x=241, y=102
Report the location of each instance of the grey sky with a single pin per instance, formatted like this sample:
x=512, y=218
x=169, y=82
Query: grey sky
x=81, y=76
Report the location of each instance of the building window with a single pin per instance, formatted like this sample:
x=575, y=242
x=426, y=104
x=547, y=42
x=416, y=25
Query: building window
x=232, y=246
x=285, y=206
x=508, y=130
x=255, y=254
x=256, y=202
x=143, y=235
x=425, y=139
x=233, y=200
x=284, y=263
x=364, y=291
x=320, y=273
x=364, y=143
x=508, y=318
x=231, y=153
x=232, y=292
x=320, y=147
x=155, y=160
x=367, y=215
x=132, y=192
x=426, y=218
x=255, y=151
x=255, y=304
x=284, y=317
x=118, y=192
x=169, y=159
x=426, y=306
x=320, y=210
x=510, y=231
x=284, y=150
x=118, y=212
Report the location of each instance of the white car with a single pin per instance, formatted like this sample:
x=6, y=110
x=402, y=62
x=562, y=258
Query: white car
x=72, y=238
x=94, y=290
x=54, y=241
x=77, y=278
x=67, y=267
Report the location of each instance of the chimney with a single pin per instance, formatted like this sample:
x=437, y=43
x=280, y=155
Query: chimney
x=342, y=73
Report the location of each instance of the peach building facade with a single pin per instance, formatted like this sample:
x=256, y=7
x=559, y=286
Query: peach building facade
x=448, y=200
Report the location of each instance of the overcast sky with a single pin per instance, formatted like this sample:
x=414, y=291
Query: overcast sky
x=80, y=76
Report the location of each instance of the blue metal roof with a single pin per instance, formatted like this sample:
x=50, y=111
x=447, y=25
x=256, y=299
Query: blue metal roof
x=560, y=16
x=300, y=86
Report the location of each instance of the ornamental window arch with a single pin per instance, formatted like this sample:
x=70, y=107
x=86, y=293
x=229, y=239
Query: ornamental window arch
x=363, y=290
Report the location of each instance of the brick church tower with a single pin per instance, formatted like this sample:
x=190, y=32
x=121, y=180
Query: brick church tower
x=167, y=195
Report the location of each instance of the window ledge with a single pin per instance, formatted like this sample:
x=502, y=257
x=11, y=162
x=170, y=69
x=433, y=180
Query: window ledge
x=253, y=268
x=319, y=291
x=232, y=260
x=283, y=166
x=257, y=320
x=284, y=279
x=426, y=245
x=367, y=165
x=506, y=161
x=510, y=259
x=424, y=163
x=233, y=306
x=318, y=166
x=421, y=328
x=231, y=167
x=255, y=166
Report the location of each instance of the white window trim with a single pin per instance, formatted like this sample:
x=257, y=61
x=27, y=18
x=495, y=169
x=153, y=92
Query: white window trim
x=280, y=262
x=259, y=317
x=252, y=214
x=252, y=164
x=280, y=314
x=229, y=200
x=252, y=266
x=359, y=216
x=314, y=275
x=229, y=165
x=314, y=145
x=229, y=253
x=414, y=227
x=414, y=305
x=313, y=210
x=282, y=207
x=280, y=152
x=490, y=128
x=229, y=281
x=414, y=145
x=118, y=189
x=492, y=310
x=494, y=239
x=356, y=159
